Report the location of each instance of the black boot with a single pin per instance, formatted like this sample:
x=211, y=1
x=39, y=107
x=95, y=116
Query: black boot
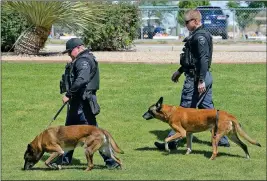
x=161, y=146
x=172, y=145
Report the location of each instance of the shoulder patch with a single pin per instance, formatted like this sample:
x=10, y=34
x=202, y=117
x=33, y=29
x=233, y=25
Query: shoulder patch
x=84, y=65
x=201, y=40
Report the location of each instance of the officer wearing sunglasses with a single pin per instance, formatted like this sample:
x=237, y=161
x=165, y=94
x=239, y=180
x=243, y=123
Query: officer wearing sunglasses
x=195, y=63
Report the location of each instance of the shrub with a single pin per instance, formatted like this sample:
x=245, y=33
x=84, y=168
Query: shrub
x=118, y=30
x=12, y=25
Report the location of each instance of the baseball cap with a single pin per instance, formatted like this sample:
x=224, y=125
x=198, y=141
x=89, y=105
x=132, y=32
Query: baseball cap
x=72, y=43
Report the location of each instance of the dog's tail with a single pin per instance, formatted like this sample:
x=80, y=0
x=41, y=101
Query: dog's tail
x=242, y=133
x=112, y=142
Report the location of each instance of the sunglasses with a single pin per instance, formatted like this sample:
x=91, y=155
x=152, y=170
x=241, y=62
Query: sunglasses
x=186, y=22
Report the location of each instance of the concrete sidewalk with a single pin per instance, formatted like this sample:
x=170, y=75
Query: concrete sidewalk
x=219, y=48
x=160, y=54
x=149, y=47
x=158, y=57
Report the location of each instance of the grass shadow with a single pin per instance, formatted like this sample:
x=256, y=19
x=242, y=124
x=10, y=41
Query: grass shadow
x=207, y=154
x=196, y=140
x=39, y=168
x=161, y=135
x=147, y=149
x=98, y=167
x=67, y=167
x=73, y=162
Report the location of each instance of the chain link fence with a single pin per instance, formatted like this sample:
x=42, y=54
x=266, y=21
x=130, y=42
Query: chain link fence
x=239, y=24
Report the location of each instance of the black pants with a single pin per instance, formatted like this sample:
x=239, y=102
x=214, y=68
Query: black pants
x=190, y=98
x=79, y=113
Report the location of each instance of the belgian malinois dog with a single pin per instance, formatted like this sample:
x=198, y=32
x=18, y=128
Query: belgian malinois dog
x=56, y=140
x=185, y=121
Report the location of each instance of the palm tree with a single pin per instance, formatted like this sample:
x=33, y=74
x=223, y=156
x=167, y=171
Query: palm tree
x=41, y=15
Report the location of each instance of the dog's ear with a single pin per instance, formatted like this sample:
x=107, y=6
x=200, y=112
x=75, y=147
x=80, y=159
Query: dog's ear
x=29, y=148
x=28, y=151
x=159, y=103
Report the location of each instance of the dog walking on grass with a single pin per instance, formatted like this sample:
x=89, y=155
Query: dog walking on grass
x=185, y=121
x=56, y=140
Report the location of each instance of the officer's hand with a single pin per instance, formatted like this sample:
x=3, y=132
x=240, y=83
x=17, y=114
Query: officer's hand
x=175, y=76
x=201, y=87
x=65, y=99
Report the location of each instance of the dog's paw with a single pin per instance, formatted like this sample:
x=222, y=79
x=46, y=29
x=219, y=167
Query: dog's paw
x=53, y=166
x=213, y=157
x=167, y=148
x=59, y=167
x=168, y=151
x=188, y=151
x=88, y=169
x=49, y=165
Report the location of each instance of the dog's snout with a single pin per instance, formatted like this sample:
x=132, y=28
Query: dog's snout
x=144, y=116
x=147, y=116
x=27, y=165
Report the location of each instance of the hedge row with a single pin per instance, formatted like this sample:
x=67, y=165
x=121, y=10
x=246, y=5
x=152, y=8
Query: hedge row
x=119, y=28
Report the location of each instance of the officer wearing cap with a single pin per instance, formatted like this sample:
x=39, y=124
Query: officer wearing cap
x=84, y=83
x=195, y=64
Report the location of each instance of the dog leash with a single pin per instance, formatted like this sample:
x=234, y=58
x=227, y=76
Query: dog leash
x=54, y=118
x=217, y=111
x=216, y=123
x=203, y=95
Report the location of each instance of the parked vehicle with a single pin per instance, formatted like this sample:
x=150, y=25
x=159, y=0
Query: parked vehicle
x=148, y=32
x=214, y=20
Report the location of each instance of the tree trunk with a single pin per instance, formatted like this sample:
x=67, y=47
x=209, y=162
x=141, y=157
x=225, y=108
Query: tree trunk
x=32, y=41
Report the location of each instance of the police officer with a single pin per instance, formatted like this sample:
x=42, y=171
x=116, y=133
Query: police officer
x=195, y=64
x=82, y=82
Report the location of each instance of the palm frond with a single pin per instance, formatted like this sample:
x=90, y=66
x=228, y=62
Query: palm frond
x=71, y=14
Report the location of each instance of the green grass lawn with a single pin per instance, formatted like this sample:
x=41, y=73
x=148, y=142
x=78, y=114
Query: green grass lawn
x=30, y=99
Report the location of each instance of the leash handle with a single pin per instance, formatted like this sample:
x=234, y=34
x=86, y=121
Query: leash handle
x=54, y=118
x=201, y=96
x=59, y=111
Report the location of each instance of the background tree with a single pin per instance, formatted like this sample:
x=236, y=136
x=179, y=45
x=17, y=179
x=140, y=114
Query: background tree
x=12, y=25
x=243, y=16
x=41, y=15
x=260, y=19
x=189, y=5
x=153, y=3
x=257, y=4
x=156, y=13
